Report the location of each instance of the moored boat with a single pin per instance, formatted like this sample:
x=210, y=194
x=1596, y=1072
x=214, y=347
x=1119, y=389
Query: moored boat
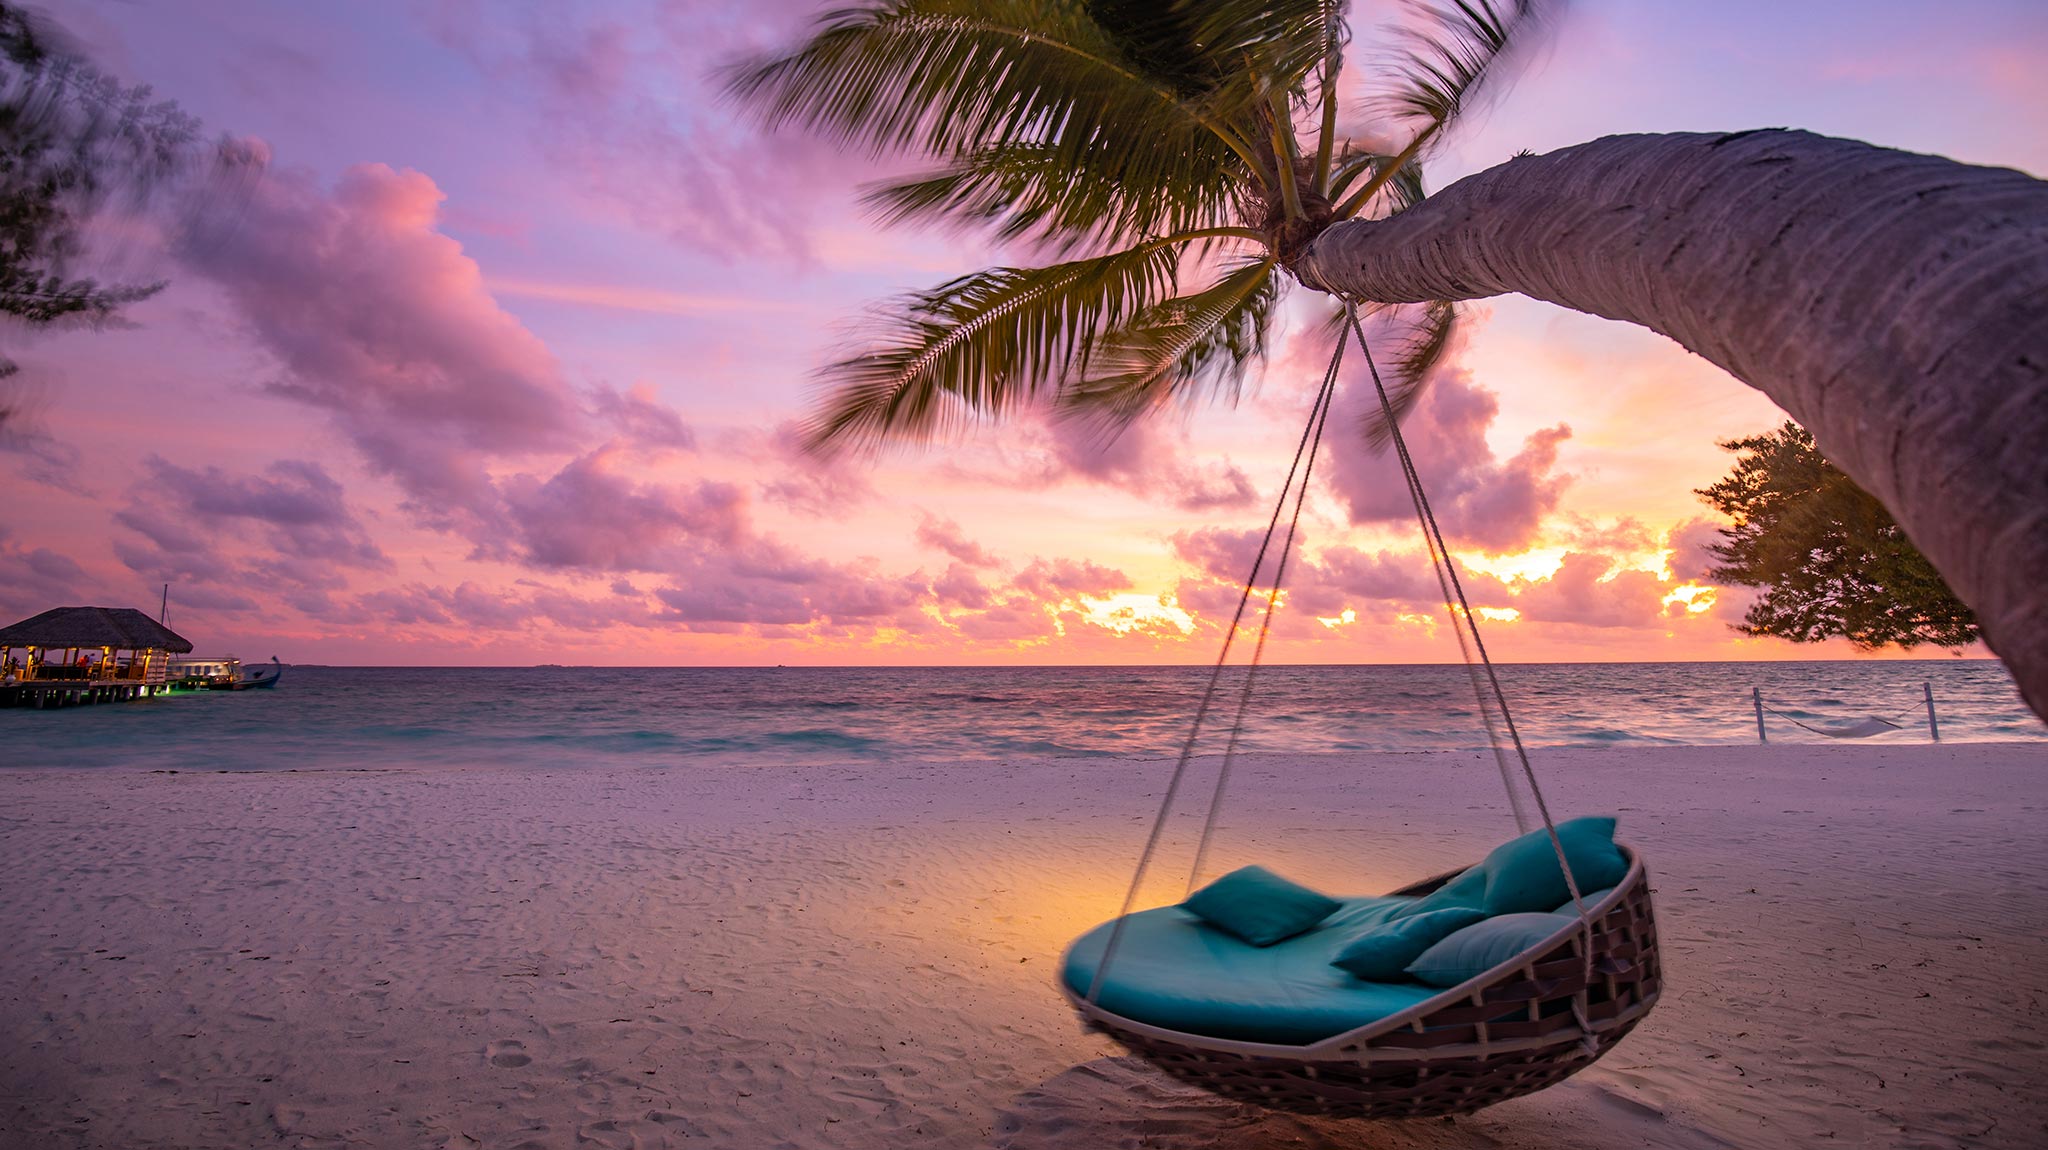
x=222, y=673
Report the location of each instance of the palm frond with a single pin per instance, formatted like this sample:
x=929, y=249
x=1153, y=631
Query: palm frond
x=1337, y=32
x=1453, y=52
x=1159, y=40
x=1112, y=196
x=984, y=343
x=944, y=77
x=1394, y=190
x=1407, y=372
x=1178, y=347
x=1281, y=45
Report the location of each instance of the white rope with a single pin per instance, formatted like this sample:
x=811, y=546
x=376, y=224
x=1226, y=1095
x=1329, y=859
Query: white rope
x=1251, y=671
x=1859, y=730
x=1318, y=412
x=1462, y=612
x=1462, y=617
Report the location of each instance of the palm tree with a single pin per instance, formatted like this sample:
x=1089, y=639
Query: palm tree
x=1170, y=157
x=1896, y=305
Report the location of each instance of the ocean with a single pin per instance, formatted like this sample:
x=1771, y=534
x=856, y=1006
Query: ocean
x=565, y=717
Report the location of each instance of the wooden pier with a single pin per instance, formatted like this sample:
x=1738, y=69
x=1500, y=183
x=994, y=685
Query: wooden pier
x=41, y=693
x=76, y=656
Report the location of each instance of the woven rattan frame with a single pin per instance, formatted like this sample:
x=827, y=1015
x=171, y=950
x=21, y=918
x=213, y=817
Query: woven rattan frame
x=1526, y=1024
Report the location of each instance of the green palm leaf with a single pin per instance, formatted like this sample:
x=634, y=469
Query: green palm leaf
x=945, y=77
x=1407, y=371
x=1114, y=196
x=1179, y=346
x=1397, y=182
x=1452, y=54
x=984, y=343
x=1085, y=125
x=1455, y=50
x=1280, y=45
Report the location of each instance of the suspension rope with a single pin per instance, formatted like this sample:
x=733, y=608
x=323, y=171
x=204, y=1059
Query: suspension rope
x=1480, y=700
x=1462, y=617
x=1251, y=671
x=1462, y=610
x=1317, y=413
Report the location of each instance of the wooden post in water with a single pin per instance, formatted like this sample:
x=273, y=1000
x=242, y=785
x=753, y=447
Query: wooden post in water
x=1933, y=728
x=1756, y=695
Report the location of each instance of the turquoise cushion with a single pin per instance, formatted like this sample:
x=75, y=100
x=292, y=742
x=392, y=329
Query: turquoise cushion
x=1522, y=875
x=1259, y=906
x=1383, y=952
x=1592, y=898
x=1479, y=948
x=1465, y=890
x=1173, y=970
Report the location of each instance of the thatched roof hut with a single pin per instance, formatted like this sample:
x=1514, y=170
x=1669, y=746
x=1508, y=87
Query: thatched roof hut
x=118, y=628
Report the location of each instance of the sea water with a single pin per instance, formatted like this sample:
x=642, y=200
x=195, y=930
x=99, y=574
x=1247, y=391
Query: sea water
x=566, y=717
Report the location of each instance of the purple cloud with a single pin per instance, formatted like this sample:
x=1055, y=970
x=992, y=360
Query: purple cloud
x=945, y=535
x=33, y=579
x=1688, y=541
x=1478, y=498
x=592, y=515
x=1146, y=459
x=1059, y=579
x=806, y=483
x=1226, y=555
x=296, y=503
x=380, y=320
x=642, y=419
x=637, y=120
x=1582, y=592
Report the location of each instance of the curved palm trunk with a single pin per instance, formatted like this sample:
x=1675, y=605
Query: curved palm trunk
x=1895, y=304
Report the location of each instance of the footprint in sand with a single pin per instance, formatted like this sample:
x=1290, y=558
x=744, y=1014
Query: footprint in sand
x=507, y=1052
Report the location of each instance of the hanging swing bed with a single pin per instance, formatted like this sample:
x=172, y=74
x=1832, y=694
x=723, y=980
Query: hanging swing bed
x=1443, y=997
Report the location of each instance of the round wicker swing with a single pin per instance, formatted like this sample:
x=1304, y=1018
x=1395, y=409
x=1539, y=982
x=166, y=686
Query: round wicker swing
x=1527, y=1023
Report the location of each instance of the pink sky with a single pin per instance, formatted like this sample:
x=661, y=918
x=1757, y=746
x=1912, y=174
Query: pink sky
x=501, y=364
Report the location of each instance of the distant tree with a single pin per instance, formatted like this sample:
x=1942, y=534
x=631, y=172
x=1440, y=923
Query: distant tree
x=75, y=143
x=1830, y=558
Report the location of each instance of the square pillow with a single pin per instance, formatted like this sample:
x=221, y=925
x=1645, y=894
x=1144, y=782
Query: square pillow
x=1467, y=889
x=1522, y=875
x=1382, y=953
x=1259, y=906
x=1482, y=946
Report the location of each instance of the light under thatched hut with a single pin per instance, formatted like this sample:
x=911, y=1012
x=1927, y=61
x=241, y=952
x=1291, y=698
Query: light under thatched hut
x=85, y=655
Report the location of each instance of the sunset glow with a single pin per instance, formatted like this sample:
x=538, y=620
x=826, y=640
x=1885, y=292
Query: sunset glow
x=522, y=380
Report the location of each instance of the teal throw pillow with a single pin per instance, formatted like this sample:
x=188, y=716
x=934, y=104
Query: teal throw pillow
x=1466, y=890
x=1382, y=953
x=1522, y=875
x=1482, y=946
x=1259, y=906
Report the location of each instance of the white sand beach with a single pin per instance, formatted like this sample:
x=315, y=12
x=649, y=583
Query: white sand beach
x=863, y=956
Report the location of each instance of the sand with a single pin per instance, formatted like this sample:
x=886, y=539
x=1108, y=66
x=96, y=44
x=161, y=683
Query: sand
x=862, y=957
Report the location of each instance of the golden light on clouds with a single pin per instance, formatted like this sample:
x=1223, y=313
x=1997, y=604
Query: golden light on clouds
x=1695, y=597
x=1131, y=611
x=1535, y=564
